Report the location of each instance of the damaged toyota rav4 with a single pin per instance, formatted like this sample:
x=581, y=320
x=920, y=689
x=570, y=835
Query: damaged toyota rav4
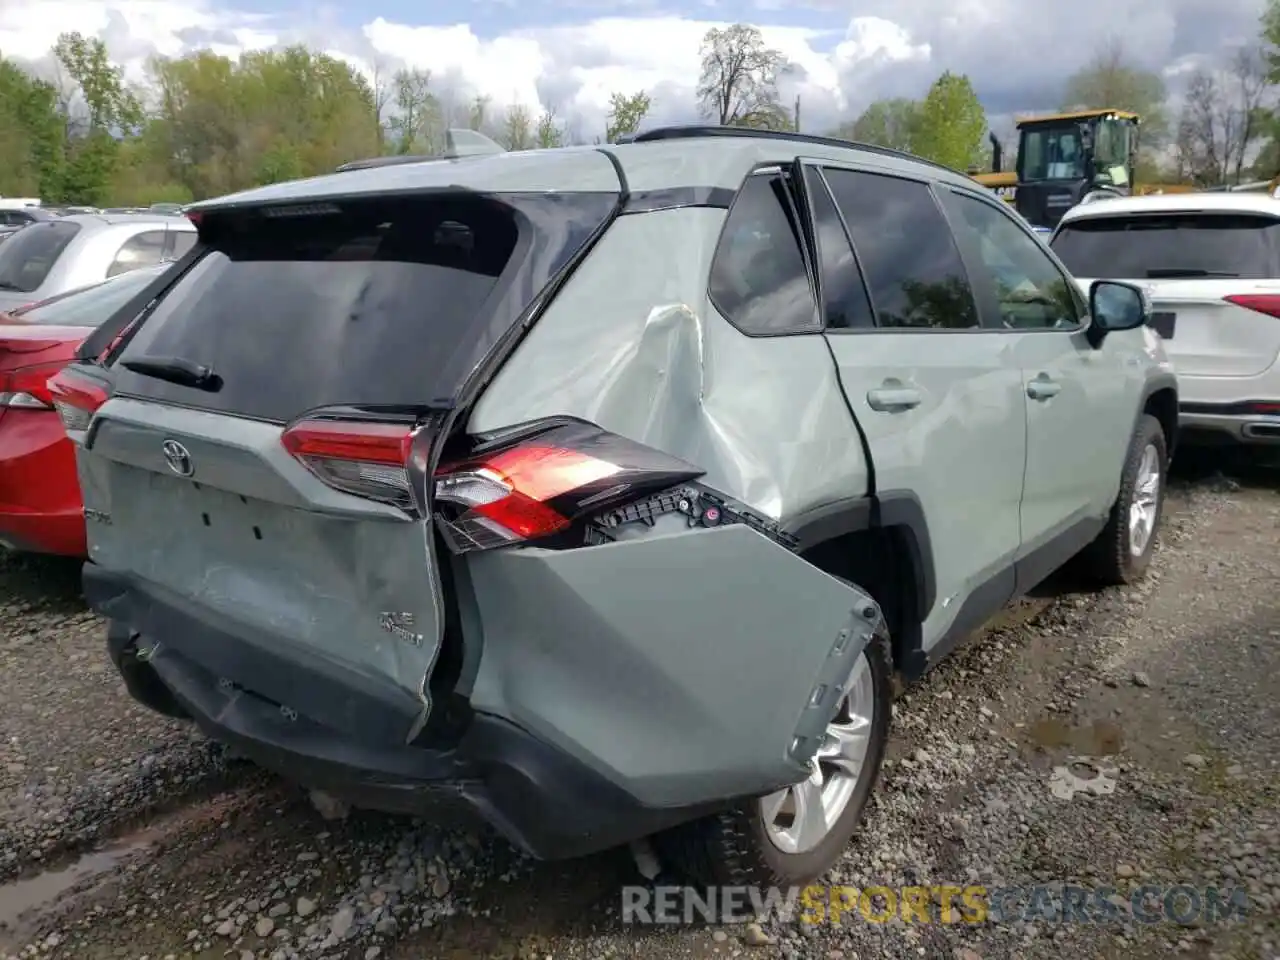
x=603, y=492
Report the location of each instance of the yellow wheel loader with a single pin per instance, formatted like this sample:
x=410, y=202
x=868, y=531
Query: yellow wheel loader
x=1065, y=159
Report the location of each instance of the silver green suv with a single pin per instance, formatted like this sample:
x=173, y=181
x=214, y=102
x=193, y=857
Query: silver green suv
x=602, y=491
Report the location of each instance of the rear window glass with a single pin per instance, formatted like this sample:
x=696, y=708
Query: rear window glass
x=28, y=255
x=89, y=306
x=362, y=304
x=1171, y=245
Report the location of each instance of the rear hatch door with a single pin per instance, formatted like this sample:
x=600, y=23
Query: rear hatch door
x=372, y=309
x=1191, y=262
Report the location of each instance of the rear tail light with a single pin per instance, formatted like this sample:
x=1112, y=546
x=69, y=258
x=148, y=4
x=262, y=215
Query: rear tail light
x=524, y=485
x=1268, y=303
x=1269, y=409
x=27, y=388
x=365, y=458
x=545, y=479
x=75, y=399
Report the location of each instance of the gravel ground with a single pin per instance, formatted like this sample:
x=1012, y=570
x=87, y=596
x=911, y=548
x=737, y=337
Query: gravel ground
x=125, y=835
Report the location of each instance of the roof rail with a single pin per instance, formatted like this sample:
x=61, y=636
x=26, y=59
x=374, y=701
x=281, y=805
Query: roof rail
x=459, y=142
x=698, y=131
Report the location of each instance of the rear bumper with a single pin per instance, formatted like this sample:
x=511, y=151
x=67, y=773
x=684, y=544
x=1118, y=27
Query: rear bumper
x=1228, y=423
x=541, y=799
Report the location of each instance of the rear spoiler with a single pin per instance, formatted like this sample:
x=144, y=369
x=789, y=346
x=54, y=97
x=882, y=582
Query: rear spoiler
x=459, y=142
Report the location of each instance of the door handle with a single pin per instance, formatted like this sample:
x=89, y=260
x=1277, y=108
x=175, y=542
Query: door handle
x=890, y=399
x=1042, y=388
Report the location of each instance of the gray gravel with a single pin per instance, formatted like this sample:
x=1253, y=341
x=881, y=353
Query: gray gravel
x=1171, y=687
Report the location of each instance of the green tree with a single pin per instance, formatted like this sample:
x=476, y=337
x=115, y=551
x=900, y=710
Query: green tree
x=1111, y=80
x=886, y=123
x=951, y=123
x=517, y=129
x=738, y=85
x=626, y=113
x=31, y=134
x=549, y=133
x=416, y=124
x=100, y=84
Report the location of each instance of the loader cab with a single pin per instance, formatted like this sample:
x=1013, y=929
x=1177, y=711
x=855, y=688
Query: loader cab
x=1067, y=158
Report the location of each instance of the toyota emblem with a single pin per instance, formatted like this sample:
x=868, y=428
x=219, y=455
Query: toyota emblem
x=178, y=458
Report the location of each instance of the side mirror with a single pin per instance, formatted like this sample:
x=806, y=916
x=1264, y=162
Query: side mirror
x=1114, y=307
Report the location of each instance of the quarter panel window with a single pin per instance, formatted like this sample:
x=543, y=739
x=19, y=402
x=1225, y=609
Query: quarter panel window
x=143, y=250
x=1031, y=291
x=912, y=264
x=758, y=277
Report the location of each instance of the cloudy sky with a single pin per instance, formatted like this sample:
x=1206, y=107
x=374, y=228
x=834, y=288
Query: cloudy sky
x=571, y=54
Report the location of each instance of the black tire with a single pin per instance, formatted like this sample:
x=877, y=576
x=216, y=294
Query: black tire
x=1108, y=559
x=733, y=847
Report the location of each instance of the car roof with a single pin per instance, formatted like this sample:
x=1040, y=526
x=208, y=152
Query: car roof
x=1238, y=202
x=713, y=160
x=100, y=221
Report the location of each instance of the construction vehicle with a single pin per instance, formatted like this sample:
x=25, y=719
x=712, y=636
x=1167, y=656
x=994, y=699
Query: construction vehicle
x=1065, y=159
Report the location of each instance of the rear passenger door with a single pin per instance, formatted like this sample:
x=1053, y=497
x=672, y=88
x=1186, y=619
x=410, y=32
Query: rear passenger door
x=938, y=397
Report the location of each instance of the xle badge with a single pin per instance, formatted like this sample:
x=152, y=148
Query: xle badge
x=400, y=625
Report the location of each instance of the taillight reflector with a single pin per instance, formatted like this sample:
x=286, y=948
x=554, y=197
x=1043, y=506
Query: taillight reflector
x=1267, y=408
x=367, y=459
x=27, y=388
x=75, y=399
x=1268, y=303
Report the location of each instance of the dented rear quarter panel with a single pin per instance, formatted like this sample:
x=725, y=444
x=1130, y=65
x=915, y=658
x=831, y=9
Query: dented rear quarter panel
x=633, y=344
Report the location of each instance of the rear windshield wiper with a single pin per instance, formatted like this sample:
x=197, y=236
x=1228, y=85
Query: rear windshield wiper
x=176, y=370
x=1170, y=273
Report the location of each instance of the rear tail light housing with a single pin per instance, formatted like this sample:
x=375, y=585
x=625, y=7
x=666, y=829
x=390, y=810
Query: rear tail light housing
x=368, y=459
x=27, y=388
x=1268, y=303
x=75, y=398
x=528, y=484
x=1267, y=409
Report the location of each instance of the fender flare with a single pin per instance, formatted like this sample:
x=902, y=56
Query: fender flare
x=898, y=509
x=1156, y=382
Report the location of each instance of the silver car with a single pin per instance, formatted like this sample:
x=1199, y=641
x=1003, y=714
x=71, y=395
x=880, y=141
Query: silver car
x=47, y=258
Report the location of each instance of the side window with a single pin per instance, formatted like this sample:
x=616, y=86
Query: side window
x=758, y=276
x=1032, y=293
x=143, y=250
x=912, y=265
x=844, y=296
x=180, y=241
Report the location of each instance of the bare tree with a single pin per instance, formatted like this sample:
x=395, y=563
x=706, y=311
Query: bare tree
x=739, y=82
x=381, y=81
x=1222, y=118
x=518, y=129
x=417, y=114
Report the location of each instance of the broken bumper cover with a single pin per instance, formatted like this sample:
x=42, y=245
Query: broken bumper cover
x=596, y=719
x=541, y=799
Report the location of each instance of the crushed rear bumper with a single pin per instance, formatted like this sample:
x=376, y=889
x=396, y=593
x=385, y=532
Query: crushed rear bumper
x=619, y=690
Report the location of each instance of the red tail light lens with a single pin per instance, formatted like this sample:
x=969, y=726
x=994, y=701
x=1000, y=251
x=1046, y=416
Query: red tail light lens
x=368, y=459
x=1268, y=303
x=75, y=399
x=544, y=479
x=1271, y=409
x=27, y=388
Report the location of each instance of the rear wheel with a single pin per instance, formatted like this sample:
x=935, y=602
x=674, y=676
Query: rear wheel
x=798, y=833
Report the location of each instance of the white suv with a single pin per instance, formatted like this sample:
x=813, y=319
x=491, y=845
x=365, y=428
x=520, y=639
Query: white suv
x=1211, y=263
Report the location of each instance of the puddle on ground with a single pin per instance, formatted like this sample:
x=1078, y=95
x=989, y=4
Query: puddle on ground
x=20, y=897
x=1100, y=739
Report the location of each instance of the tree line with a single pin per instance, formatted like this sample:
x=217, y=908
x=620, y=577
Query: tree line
x=205, y=124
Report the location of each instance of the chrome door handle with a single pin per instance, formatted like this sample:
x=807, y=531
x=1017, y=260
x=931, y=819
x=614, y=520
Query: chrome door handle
x=1042, y=388
x=890, y=399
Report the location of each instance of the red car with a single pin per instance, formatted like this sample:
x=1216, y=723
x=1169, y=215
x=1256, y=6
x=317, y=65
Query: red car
x=40, y=507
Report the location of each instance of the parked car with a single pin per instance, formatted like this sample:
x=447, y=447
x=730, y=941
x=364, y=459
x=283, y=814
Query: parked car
x=21, y=216
x=48, y=258
x=1211, y=265
x=40, y=508
x=603, y=491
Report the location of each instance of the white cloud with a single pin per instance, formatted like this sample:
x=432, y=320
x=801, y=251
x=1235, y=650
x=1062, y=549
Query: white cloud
x=893, y=47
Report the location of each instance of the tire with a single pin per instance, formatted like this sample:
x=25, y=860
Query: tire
x=1111, y=559
x=735, y=848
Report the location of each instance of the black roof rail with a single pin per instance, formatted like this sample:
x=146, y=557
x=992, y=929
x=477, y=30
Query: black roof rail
x=383, y=162
x=698, y=131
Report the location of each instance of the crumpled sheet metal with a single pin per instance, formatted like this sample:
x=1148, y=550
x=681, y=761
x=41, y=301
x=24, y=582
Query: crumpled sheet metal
x=633, y=344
